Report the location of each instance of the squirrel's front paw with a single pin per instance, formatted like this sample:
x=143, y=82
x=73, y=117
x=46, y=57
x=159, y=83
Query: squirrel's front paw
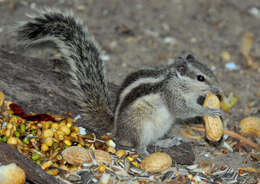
x=213, y=112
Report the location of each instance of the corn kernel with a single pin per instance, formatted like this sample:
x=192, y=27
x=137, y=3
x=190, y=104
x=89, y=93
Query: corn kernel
x=74, y=135
x=135, y=163
x=53, y=172
x=131, y=159
x=9, y=126
x=55, y=126
x=76, y=129
x=48, y=141
x=13, y=120
x=69, y=122
x=65, y=129
x=101, y=168
x=12, y=141
x=46, y=165
x=8, y=132
x=44, y=147
x=46, y=124
x=121, y=153
x=47, y=133
x=67, y=142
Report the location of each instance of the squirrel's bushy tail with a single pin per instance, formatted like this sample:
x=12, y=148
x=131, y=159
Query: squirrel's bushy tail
x=83, y=56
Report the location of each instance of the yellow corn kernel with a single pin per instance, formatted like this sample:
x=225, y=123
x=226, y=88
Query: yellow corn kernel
x=46, y=124
x=136, y=164
x=62, y=124
x=55, y=126
x=8, y=132
x=69, y=122
x=48, y=141
x=9, y=126
x=101, y=168
x=53, y=172
x=76, y=129
x=74, y=135
x=12, y=140
x=44, y=147
x=13, y=119
x=67, y=142
x=131, y=159
x=46, y=165
x=65, y=129
x=47, y=133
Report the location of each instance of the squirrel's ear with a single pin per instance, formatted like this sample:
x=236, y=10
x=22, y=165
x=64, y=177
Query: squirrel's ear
x=181, y=66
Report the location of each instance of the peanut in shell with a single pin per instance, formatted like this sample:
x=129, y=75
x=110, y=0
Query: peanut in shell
x=213, y=125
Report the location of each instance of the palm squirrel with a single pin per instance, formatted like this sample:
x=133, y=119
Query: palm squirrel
x=148, y=102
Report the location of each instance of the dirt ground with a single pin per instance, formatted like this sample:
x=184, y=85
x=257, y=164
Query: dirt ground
x=148, y=33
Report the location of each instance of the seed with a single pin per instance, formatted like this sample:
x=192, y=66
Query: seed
x=38, y=162
x=36, y=156
x=12, y=141
x=65, y=129
x=67, y=142
x=46, y=165
x=130, y=158
x=8, y=132
x=23, y=128
x=111, y=150
x=9, y=126
x=121, y=153
x=101, y=168
x=48, y=141
x=53, y=172
x=16, y=133
x=26, y=140
x=55, y=126
x=4, y=139
x=46, y=124
x=47, y=133
x=44, y=147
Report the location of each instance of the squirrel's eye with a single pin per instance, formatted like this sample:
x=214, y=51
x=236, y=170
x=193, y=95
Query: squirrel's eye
x=201, y=78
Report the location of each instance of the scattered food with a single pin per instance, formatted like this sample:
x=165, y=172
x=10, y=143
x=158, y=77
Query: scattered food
x=213, y=125
x=250, y=126
x=228, y=102
x=11, y=174
x=156, y=162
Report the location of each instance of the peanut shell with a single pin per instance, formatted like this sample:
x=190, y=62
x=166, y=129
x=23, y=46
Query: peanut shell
x=213, y=126
x=156, y=162
x=250, y=126
x=78, y=155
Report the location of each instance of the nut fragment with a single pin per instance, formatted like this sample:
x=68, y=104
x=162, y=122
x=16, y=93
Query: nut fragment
x=213, y=125
x=156, y=162
x=11, y=173
x=250, y=126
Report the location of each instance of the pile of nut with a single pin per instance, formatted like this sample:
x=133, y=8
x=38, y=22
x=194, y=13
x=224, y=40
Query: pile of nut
x=60, y=146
